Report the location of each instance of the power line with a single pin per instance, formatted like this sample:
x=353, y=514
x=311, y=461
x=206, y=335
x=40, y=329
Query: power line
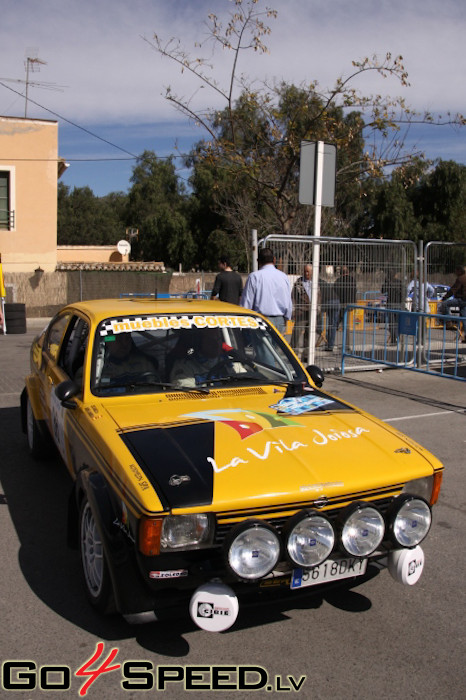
x=90, y=160
x=68, y=121
x=74, y=160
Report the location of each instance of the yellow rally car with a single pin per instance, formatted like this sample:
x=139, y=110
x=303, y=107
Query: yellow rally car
x=208, y=466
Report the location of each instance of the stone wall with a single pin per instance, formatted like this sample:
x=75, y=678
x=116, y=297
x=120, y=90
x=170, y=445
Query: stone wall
x=45, y=293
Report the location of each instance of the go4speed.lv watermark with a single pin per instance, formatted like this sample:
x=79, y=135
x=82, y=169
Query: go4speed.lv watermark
x=20, y=675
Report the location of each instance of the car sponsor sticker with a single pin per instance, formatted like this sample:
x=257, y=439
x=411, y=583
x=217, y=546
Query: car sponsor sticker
x=113, y=326
x=174, y=573
x=58, y=413
x=301, y=404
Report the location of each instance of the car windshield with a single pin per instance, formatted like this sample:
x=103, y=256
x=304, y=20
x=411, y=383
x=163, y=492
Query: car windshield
x=184, y=352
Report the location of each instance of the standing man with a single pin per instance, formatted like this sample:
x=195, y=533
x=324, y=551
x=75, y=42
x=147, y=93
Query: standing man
x=2, y=298
x=301, y=295
x=228, y=285
x=345, y=289
x=456, y=296
x=330, y=307
x=393, y=289
x=268, y=291
x=420, y=294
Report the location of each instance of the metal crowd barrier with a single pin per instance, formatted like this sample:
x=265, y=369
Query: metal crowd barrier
x=429, y=343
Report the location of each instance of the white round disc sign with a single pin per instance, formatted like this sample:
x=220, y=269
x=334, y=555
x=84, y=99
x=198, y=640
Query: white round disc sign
x=406, y=565
x=214, y=607
x=123, y=247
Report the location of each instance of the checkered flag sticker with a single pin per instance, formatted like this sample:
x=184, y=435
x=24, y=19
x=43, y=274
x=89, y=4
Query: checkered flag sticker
x=108, y=327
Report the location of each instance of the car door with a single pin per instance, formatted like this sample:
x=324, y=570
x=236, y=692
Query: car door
x=63, y=356
x=50, y=374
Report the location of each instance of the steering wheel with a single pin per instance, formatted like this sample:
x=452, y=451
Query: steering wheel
x=148, y=376
x=243, y=359
x=221, y=364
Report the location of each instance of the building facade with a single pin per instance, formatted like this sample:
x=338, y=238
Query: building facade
x=29, y=172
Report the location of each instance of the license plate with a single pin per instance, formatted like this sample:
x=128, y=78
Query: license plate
x=330, y=570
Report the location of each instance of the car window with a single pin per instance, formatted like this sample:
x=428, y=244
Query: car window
x=74, y=347
x=55, y=335
x=182, y=352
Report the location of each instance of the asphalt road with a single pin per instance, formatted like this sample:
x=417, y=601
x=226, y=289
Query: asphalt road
x=377, y=640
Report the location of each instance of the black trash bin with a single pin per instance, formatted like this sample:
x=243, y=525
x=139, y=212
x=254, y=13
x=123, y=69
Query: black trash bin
x=15, y=318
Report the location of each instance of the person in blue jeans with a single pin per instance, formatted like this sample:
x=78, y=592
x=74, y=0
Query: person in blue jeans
x=329, y=305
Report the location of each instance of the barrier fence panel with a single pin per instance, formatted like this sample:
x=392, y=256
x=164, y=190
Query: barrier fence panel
x=366, y=274
x=442, y=350
x=440, y=260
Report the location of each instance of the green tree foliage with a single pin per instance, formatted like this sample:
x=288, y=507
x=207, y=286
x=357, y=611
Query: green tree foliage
x=253, y=141
x=257, y=186
x=393, y=214
x=84, y=219
x=245, y=170
x=157, y=207
x=439, y=202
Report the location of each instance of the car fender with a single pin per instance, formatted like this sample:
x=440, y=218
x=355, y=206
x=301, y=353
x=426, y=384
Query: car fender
x=130, y=594
x=31, y=392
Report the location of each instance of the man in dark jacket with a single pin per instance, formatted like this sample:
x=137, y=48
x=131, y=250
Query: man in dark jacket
x=456, y=296
x=330, y=306
x=345, y=289
x=228, y=285
x=301, y=296
x=393, y=289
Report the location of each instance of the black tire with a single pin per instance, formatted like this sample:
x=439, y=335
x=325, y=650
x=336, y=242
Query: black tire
x=14, y=307
x=96, y=576
x=15, y=328
x=15, y=318
x=39, y=442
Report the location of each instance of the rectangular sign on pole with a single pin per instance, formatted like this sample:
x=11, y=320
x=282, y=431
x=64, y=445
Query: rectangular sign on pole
x=307, y=173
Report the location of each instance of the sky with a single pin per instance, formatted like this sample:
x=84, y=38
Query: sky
x=103, y=82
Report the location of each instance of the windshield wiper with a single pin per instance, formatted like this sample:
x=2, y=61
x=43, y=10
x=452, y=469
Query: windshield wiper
x=180, y=387
x=169, y=385
x=294, y=387
x=132, y=384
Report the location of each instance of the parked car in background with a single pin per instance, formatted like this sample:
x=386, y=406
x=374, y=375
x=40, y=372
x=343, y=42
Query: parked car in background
x=440, y=291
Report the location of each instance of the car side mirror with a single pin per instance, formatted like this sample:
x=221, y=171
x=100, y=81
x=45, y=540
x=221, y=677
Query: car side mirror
x=65, y=393
x=316, y=374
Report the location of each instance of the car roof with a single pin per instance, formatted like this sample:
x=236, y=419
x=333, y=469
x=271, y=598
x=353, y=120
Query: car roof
x=99, y=309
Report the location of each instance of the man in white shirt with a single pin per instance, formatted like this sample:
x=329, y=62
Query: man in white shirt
x=268, y=291
x=420, y=294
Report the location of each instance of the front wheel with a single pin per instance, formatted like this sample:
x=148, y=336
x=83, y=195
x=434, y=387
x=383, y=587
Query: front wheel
x=95, y=570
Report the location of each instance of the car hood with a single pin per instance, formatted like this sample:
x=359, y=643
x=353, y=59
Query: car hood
x=223, y=456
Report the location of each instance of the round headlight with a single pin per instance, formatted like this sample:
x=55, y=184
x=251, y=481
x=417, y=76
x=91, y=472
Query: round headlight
x=253, y=550
x=310, y=539
x=410, y=522
x=363, y=530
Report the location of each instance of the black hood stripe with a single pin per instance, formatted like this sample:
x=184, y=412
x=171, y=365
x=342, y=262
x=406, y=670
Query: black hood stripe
x=175, y=462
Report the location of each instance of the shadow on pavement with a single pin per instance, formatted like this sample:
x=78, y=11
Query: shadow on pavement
x=36, y=494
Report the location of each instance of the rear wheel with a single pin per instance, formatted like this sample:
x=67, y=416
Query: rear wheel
x=95, y=570
x=40, y=445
